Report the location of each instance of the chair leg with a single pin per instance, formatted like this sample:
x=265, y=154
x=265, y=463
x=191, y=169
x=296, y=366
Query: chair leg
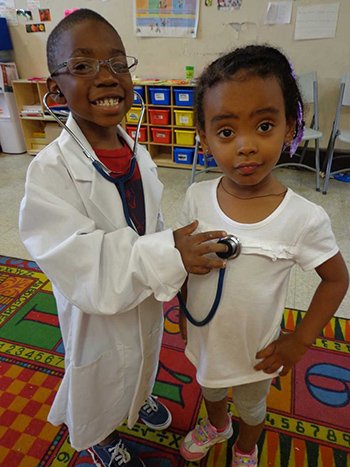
x=194, y=163
x=317, y=164
x=303, y=152
x=329, y=160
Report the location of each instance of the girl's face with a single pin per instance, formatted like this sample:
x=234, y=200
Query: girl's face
x=246, y=128
x=97, y=103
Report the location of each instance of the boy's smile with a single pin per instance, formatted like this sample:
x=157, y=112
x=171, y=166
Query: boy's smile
x=98, y=103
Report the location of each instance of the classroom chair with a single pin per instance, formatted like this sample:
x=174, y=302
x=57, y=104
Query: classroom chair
x=342, y=134
x=309, y=89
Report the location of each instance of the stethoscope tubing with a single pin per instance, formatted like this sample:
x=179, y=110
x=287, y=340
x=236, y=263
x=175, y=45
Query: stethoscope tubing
x=214, y=307
x=119, y=181
x=233, y=245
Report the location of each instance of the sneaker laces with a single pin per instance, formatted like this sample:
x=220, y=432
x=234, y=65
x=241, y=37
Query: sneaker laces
x=150, y=405
x=119, y=453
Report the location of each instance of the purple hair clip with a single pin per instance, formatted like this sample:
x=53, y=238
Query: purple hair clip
x=299, y=133
x=300, y=122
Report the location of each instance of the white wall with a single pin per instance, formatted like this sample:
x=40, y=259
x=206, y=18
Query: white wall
x=167, y=57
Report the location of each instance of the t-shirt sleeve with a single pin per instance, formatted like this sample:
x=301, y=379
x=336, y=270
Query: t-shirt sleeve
x=187, y=214
x=317, y=242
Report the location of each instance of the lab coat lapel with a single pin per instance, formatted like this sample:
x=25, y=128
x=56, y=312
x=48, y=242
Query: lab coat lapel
x=152, y=189
x=104, y=195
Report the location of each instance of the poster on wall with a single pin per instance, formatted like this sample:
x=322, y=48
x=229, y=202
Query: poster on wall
x=166, y=18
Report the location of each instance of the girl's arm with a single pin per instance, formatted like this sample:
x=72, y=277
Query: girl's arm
x=326, y=300
x=289, y=348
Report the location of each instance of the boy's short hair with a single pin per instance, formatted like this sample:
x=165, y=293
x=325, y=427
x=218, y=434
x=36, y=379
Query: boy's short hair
x=67, y=23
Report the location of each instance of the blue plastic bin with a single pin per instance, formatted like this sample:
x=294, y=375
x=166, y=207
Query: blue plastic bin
x=183, y=97
x=183, y=155
x=160, y=96
x=210, y=160
x=141, y=91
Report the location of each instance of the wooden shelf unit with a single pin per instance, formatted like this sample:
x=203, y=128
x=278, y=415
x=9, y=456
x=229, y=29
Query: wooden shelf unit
x=40, y=129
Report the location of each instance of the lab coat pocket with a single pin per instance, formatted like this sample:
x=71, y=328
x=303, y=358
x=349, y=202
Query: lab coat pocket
x=97, y=388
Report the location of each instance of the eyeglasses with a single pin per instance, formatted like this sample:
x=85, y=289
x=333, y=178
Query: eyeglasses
x=89, y=67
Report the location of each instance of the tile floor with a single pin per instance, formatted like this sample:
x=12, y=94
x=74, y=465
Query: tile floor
x=302, y=285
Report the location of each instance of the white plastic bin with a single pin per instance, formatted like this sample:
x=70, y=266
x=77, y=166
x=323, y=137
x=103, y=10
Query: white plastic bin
x=11, y=138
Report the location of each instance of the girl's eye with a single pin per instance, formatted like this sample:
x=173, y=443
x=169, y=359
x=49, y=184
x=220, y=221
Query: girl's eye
x=265, y=126
x=225, y=132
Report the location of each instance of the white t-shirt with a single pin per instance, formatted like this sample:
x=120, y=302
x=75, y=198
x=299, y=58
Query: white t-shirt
x=255, y=284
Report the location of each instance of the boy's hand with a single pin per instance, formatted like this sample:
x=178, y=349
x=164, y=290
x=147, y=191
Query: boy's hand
x=194, y=248
x=284, y=352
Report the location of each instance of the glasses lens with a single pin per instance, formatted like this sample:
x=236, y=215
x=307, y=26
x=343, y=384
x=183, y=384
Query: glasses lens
x=82, y=66
x=122, y=65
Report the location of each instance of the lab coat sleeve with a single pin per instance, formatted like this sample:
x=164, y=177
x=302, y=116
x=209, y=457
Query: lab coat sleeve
x=98, y=271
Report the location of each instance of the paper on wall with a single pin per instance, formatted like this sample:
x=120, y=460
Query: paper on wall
x=33, y=4
x=8, y=11
x=316, y=21
x=279, y=12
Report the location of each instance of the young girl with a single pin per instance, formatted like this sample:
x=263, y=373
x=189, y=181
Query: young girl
x=248, y=109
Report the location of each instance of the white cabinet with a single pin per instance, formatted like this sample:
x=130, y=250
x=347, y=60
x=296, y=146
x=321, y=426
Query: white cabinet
x=11, y=137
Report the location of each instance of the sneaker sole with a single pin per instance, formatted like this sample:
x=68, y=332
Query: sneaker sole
x=197, y=456
x=188, y=456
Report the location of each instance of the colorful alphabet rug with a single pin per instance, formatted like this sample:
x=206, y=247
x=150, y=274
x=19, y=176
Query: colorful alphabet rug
x=308, y=422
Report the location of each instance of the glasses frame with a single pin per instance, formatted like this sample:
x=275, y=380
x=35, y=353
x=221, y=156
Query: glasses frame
x=99, y=63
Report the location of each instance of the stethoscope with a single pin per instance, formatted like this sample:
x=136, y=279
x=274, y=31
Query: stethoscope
x=118, y=181
x=231, y=241
x=233, y=250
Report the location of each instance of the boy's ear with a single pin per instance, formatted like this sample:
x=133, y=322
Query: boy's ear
x=56, y=93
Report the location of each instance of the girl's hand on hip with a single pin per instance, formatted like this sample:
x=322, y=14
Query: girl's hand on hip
x=283, y=353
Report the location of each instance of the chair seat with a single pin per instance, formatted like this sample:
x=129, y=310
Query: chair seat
x=309, y=133
x=344, y=136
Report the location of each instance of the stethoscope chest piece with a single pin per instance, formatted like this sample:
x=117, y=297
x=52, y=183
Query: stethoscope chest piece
x=233, y=247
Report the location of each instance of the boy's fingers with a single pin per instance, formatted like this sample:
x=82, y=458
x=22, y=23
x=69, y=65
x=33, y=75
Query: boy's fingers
x=210, y=235
x=212, y=247
x=207, y=265
x=189, y=228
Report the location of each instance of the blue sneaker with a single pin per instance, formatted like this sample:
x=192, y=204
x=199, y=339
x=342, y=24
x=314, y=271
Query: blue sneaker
x=115, y=454
x=154, y=414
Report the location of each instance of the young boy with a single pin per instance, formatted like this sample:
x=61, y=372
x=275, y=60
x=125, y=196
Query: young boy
x=109, y=275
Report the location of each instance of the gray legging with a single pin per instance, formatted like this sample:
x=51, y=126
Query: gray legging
x=249, y=399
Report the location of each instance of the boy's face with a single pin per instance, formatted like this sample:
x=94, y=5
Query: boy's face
x=100, y=102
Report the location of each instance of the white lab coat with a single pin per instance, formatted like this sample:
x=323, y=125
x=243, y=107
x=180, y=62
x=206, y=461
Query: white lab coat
x=108, y=283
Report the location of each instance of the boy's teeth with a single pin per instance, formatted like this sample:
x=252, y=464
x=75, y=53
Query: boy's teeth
x=108, y=101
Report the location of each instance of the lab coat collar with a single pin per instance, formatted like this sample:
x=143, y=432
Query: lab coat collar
x=80, y=166
x=102, y=194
